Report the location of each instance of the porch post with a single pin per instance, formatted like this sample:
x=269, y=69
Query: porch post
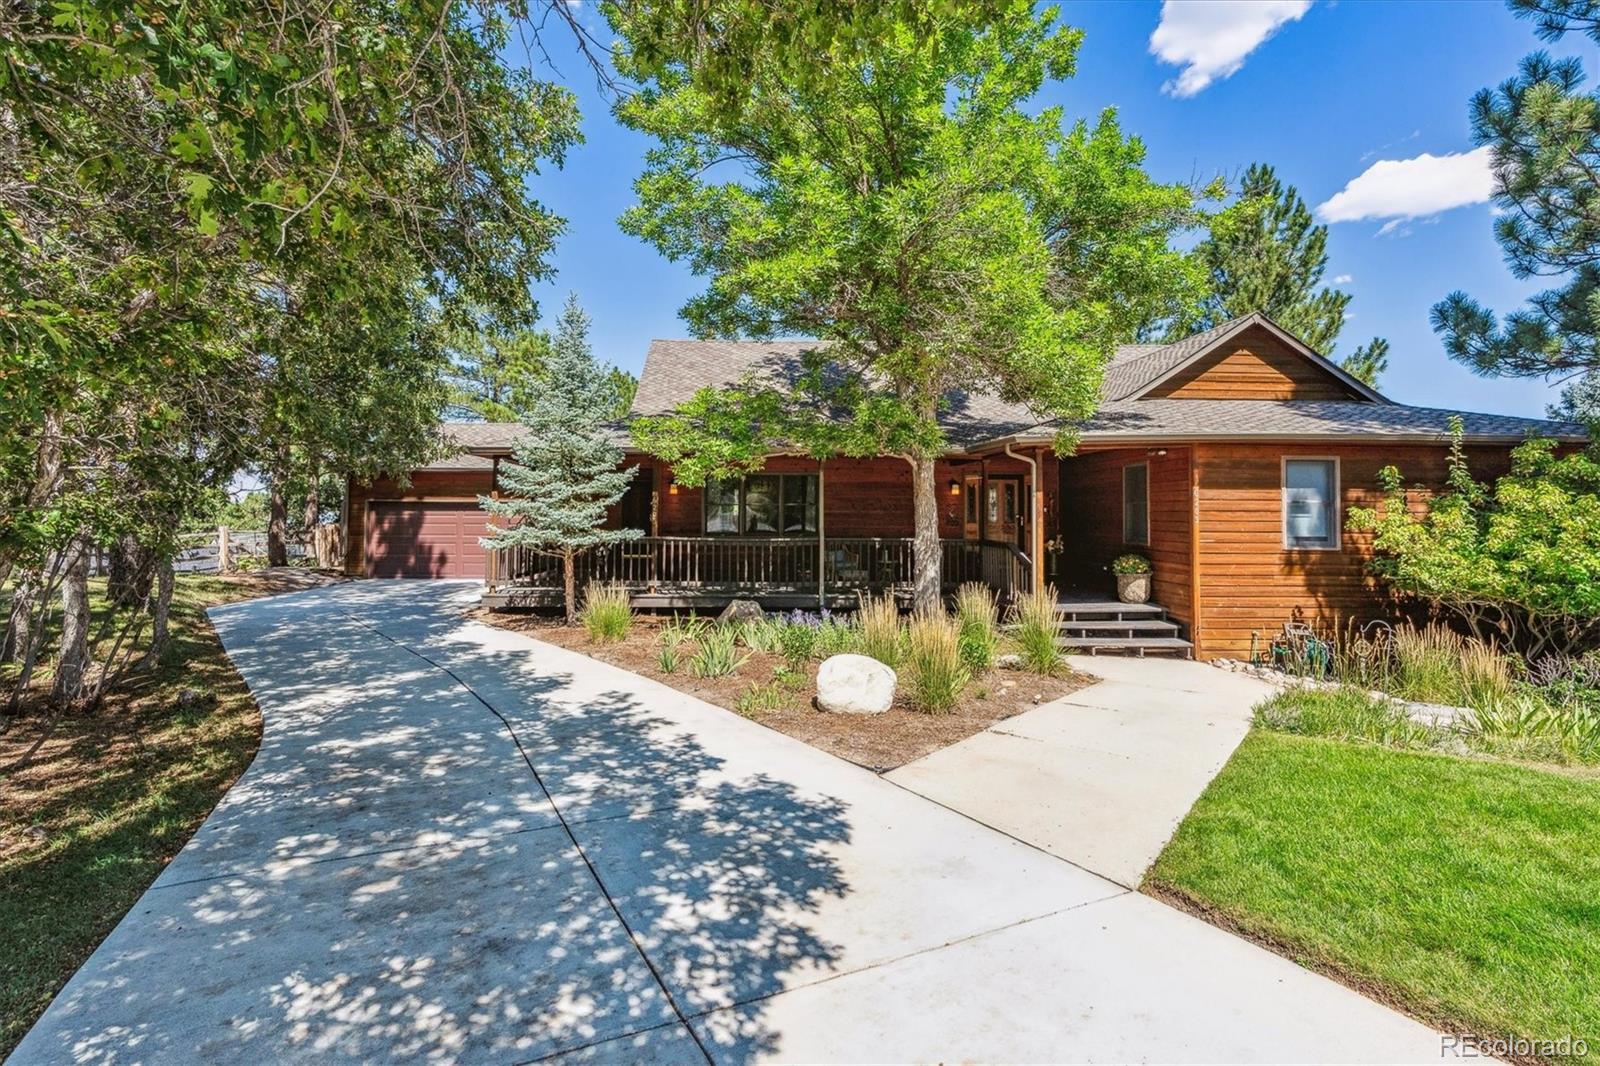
x=822, y=542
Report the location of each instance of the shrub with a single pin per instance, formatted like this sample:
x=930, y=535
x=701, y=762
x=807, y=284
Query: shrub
x=979, y=636
x=880, y=635
x=681, y=631
x=796, y=641
x=835, y=637
x=935, y=673
x=759, y=699
x=1518, y=561
x=1034, y=628
x=1486, y=675
x=716, y=652
x=606, y=613
x=667, y=659
x=1344, y=713
x=760, y=634
x=1131, y=563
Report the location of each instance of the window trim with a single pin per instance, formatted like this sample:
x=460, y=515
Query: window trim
x=1335, y=541
x=739, y=514
x=1145, y=542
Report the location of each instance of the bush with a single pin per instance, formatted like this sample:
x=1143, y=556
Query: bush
x=796, y=642
x=1131, y=563
x=1035, y=629
x=1518, y=562
x=880, y=635
x=759, y=699
x=975, y=607
x=606, y=614
x=1428, y=664
x=716, y=652
x=1344, y=713
x=835, y=637
x=935, y=673
x=667, y=659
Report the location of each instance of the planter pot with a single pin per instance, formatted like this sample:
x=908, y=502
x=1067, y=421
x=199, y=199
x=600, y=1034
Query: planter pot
x=1133, y=588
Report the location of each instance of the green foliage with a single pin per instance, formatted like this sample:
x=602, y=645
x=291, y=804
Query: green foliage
x=980, y=636
x=566, y=470
x=762, y=698
x=1265, y=252
x=892, y=197
x=667, y=659
x=1035, y=629
x=934, y=671
x=716, y=652
x=1519, y=562
x=1344, y=713
x=1367, y=363
x=1545, y=134
x=607, y=613
x=495, y=370
x=880, y=635
x=1130, y=563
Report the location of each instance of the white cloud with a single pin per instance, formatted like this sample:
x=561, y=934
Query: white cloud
x=1210, y=39
x=1343, y=279
x=1400, y=190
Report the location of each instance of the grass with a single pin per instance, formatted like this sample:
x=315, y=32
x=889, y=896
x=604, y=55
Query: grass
x=104, y=801
x=1345, y=713
x=1033, y=620
x=975, y=607
x=935, y=673
x=880, y=634
x=1465, y=891
x=606, y=613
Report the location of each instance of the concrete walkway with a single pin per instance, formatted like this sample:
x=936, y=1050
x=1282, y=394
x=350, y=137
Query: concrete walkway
x=1103, y=776
x=459, y=843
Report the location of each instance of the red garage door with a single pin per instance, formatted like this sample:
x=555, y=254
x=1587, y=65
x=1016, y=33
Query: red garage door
x=425, y=540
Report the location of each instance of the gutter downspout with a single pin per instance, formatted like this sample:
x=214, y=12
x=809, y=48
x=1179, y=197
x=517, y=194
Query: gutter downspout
x=1034, y=517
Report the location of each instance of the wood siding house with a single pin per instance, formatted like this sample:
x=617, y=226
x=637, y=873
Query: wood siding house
x=1230, y=459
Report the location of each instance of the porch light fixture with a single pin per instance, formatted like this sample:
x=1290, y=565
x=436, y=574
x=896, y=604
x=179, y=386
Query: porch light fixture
x=955, y=487
x=672, y=488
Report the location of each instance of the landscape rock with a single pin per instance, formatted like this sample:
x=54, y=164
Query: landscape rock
x=1008, y=662
x=741, y=611
x=854, y=684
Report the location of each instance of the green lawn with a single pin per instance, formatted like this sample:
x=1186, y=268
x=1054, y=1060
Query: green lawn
x=1466, y=891
x=104, y=801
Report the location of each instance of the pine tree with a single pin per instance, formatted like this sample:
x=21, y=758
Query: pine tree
x=1265, y=252
x=565, y=471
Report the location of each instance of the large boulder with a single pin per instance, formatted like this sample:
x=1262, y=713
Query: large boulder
x=741, y=611
x=854, y=684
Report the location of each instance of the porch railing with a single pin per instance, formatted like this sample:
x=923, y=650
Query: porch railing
x=770, y=565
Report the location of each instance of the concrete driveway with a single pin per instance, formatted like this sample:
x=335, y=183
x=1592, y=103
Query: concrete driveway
x=1103, y=776
x=459, y=843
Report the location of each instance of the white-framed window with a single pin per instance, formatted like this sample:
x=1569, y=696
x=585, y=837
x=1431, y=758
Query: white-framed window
x=762, y=505
x=1136, y=504
x=1311, y=503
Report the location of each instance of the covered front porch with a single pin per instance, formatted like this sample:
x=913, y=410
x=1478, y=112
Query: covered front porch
x=779, y=572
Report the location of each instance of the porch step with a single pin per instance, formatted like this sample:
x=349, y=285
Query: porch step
x=1090, y=609
x=1139, y=646
x=1127, y=627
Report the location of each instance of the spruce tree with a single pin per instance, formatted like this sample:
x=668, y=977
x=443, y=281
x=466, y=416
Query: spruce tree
x=565, y=471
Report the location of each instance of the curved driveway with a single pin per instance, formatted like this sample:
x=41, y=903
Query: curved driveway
x=460, y=843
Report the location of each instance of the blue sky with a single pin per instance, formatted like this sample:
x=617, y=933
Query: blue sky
x=1333, y=92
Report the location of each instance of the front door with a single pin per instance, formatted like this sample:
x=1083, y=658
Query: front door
x=1003, y=513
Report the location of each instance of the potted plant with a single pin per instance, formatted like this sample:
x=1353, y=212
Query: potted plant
x=1133, y=577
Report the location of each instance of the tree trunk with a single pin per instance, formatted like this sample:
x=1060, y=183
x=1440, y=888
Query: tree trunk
x=129, y=573
x=278, y=514
x=569, y=578
x=925, y=534
x=312, y=516
x=73, y=661
x=47, y=477
x=19, y=626
x=160, y=613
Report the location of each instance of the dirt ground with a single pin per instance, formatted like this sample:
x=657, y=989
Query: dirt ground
x=879, y=742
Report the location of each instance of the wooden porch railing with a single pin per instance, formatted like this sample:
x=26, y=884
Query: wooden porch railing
x=772, y=565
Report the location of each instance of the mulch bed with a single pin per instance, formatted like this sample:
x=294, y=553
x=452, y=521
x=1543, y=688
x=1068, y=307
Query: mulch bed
x=879, y=742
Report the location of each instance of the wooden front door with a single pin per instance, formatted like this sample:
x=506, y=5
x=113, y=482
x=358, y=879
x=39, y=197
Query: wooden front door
x=1003, y=511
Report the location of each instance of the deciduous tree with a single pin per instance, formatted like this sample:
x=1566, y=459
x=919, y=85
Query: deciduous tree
x=892, y=197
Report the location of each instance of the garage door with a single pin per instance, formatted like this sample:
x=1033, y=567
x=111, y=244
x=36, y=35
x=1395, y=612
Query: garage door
x=425, y=540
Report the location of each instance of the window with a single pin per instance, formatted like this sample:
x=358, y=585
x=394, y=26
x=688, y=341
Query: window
x=1310, y=503
x=763, y=505
x=1136, y=503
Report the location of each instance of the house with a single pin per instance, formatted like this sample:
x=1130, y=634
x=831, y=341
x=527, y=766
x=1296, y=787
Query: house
x=1229, y=458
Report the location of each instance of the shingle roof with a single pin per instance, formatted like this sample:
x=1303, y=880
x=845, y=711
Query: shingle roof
x=1303, y=418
